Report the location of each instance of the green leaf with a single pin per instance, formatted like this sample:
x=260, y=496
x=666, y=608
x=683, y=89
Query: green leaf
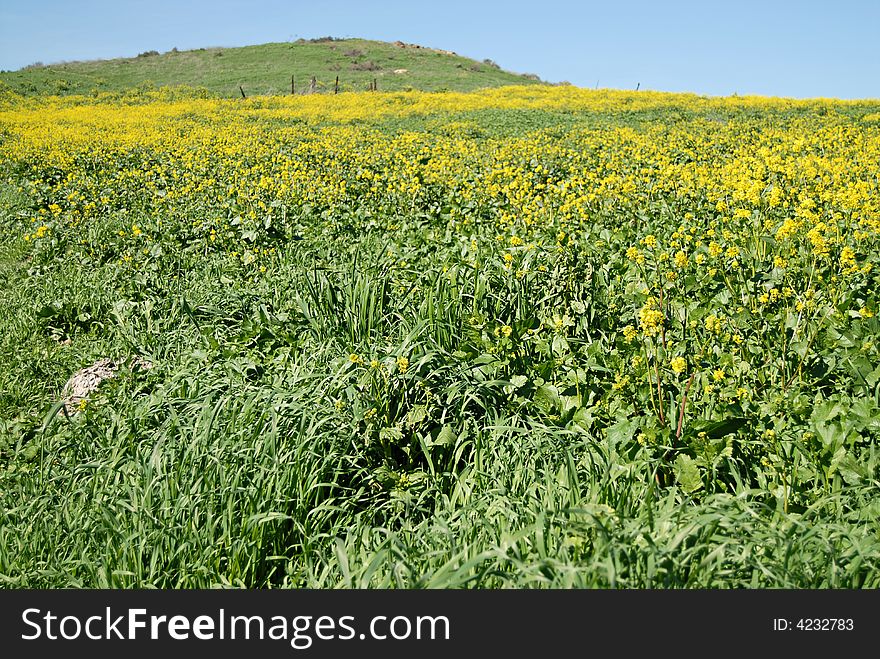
x=873, y=377
x=560, y=346
x=718, y=429
x=687, y=474
x=50, y=310
x=622, y=431
x=576, y=376
x=416, y=415
x=390, y=435
x=446, y=437
x=848, y=467
x=547, y=399
x=825, y=411
x=518, y=381
x=385, y=477
x=583, y=418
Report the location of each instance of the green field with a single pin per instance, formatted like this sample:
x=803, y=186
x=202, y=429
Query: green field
x=267, y=69
x=525, y=337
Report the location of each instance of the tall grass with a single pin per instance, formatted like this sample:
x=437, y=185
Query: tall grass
x=231, y=463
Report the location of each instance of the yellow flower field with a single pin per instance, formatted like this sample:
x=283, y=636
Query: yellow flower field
x=544, y=300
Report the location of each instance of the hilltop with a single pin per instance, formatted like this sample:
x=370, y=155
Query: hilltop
x=267, y=69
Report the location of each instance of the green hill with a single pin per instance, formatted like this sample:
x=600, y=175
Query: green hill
x=267, y=69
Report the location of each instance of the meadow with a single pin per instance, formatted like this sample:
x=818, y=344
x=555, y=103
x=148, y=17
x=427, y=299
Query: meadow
x=266, y=69
x=521, y=337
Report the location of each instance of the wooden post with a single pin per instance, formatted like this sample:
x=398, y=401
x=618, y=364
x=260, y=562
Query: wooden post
x=336, y=86
x=313, y=85
x=292, y=88
x=242, y=92
x=375, y=85
x=638, y=85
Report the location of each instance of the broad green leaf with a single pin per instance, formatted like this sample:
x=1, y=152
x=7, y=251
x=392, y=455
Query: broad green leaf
x=687, y=474
x=390, y=435
x=446, y=437
x=622, y=431
x=547, y=399
x=518, y=381
x=717, y=429
x=416, y=415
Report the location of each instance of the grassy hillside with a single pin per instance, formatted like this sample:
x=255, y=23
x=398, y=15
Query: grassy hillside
x=267, y=69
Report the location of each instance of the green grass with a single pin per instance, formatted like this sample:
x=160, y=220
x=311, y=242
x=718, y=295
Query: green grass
x=267, y=69
x=243, y=457
x=227, y=465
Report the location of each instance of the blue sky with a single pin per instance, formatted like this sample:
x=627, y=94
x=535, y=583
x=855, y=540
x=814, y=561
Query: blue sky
x=770, y=47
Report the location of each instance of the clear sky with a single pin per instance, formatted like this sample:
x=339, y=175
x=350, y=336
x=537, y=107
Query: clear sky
x=809, y=48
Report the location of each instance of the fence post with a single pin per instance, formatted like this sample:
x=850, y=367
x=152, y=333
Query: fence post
x=292, y=88
x=242, y=91
x=313, y=85
x=336, y=86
